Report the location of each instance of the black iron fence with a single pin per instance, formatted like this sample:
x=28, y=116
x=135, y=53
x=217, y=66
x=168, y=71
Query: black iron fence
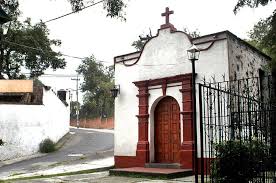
x=237, y=131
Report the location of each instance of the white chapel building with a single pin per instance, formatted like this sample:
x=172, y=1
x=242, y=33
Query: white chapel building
x=153, y=111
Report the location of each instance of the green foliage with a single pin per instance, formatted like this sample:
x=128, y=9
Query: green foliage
x=193, y=34
x=239, y=162
x=250, y=3
x=47, y=146
x=114, y=8
x=263, y=37
x=98, y=80
x=139, y=44
x=263, y=34
x=26, y=45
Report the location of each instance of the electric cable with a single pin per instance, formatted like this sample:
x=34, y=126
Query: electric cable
x=62, y=16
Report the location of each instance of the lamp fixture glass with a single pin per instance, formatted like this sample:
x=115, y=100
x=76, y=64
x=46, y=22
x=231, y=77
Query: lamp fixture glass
x=193, y=53
x=115, y=91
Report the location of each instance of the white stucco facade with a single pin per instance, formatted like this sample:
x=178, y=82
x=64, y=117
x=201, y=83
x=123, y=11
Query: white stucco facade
x=165, y=55
x=27, y=125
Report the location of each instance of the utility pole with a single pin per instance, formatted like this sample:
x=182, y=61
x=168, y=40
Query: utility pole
x=77, y=94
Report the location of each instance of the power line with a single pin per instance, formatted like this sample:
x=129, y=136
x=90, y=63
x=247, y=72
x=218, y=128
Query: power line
x=57, y=75
x=85, y=7
x=40, y=50
x=82, y=58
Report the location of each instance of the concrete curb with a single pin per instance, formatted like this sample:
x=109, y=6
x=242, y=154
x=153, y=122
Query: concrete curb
x=16, y=160
x=94, y=129
x=87, y=167
x=87, y=171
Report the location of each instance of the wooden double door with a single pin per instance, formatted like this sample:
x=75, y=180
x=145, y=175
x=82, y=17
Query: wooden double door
x=167, y=131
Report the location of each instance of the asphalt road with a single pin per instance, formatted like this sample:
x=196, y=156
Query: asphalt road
x=83, y=145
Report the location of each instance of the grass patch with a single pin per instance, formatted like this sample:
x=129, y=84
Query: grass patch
x=15, y=173
x=141, y=175
x=1, y=142
x=47, y=146
x=59, y=174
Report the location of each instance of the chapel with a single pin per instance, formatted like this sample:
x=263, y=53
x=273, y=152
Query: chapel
x=153, y=110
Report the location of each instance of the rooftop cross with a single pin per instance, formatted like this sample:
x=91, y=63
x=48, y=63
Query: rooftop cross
x=167, y=15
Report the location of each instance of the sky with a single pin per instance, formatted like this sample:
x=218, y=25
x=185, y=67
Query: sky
x=91, y=32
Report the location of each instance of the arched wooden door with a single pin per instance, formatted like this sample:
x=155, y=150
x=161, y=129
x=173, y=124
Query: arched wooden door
x=167, y=131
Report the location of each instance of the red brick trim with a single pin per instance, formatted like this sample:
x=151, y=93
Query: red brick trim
x=184, y=78
x=164, y=87
x=132, y=161
x=187, y=146
x=126, y=161
x=142, y=151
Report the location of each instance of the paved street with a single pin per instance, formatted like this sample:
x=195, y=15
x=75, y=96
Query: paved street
x=85, y=145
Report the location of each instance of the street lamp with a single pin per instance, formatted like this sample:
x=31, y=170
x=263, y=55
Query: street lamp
x=115, y=91
x=193, y=55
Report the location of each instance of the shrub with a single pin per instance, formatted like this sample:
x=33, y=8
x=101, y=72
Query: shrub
x=238, y=162
x=47, y=146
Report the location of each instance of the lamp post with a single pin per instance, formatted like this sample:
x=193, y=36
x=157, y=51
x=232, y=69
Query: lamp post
x=77, y=95
x=193, y=55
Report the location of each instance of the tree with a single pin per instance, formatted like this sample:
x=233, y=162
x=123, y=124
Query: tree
x=250, y=3
x=114, y=8
x=98, y=80
x=26, y=46
x=263, y=34
x=139, y=44
x=16, y=47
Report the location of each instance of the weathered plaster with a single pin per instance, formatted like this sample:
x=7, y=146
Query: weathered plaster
x=27, y=125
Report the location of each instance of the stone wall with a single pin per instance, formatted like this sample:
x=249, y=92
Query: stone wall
x=98, y=123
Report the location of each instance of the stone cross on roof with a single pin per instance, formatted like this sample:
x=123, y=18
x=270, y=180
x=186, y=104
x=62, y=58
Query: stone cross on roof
x=167, y=14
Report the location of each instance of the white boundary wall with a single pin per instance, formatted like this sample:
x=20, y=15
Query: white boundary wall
x=26, y=126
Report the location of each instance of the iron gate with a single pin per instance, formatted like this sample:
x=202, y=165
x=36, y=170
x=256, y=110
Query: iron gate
x=237, y=131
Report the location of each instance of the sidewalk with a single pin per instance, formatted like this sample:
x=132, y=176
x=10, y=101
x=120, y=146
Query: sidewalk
x=96, y=164
x=97, y=177
x=103, y=177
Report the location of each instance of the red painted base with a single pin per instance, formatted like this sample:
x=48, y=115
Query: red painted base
x=186, y=155
x=125, y=161
x=133, y=161
x=207, y=162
